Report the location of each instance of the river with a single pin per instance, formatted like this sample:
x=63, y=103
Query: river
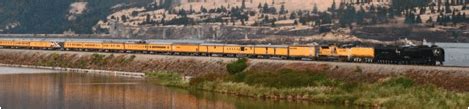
x=457, y=54
x=42, y=89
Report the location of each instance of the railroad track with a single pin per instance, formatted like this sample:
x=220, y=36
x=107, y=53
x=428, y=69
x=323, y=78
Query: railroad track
x=272, y=60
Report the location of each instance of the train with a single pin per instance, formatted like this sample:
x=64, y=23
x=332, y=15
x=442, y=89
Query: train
x=408, y=55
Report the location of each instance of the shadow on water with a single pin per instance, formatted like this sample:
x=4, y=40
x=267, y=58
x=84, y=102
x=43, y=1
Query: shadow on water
x=86, y=91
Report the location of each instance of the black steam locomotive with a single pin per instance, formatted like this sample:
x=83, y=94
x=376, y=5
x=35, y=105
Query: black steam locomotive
x=413, y=55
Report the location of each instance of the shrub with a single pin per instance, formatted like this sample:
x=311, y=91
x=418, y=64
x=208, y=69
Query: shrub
x=210, y=77
x=98, y=59
x=400, y=82
x=167, y=78
x=237, y=66
x=285, y=78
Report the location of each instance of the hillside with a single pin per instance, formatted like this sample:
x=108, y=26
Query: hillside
x=384, y=20
x=57, y=16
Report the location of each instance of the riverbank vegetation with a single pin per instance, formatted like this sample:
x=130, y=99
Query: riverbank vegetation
x=291, y=84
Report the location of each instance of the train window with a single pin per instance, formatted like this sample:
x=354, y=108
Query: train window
x=243, y=48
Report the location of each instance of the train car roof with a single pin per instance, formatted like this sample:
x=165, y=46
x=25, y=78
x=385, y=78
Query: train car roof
x=186, y=43
x=278, y=46
x=212, y=44
x=302, y=45
x=237, y=45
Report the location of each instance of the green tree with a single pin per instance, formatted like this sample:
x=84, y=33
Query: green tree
x=447, y=7
x=237, y=66
x=243, y=5
x=259, y=6
x=148, y=18
x=282, y=9
x=333, y=7
x=124, y=18
x=430, y=20
x=315, y=8
x=293, y=15
x=265, y=8
x=418, y=19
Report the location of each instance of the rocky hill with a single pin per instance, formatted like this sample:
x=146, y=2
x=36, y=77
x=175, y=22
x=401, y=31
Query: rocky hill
x=239, y=19
x=57, y=16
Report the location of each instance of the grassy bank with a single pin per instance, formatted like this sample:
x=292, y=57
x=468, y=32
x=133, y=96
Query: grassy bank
x=111, y=62
x=288, y=84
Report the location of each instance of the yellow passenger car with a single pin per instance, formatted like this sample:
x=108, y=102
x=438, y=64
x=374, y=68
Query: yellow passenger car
x=92, y=45
x=239, y=49
x=41, y=44
x=20, y=43
x=113, y=46
x=136, y=47
x=302, y=51
x=271, y=50
x=185, y=48
x=72, y=45
x=6, y=43
x=362, y=52
x=159, y=47
x=213, y=48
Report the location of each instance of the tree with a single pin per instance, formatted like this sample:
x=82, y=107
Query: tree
x=282, y=9
x=233, y=21
x=409, y=19
x=191, y=10
x=273, y=22
x=243, y=5
x=266, y=18
x=464, y=17
x=333, y=7
x=242, y=22
x=430, y=20
x=302, y=21
x=293, y=15
x=203, y=9
x=265, y=8
x=124, y=18
x=246, y=17
x=447, y=7
x=439, y=20
x=315, y=8
x=134, y=13
x=423, y=10
x=163, y=22
x=260, y=6
x=418, y=19
x=148, y=18
x=361, y=15
x=182, y=12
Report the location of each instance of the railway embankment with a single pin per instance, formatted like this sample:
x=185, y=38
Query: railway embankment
x=349, y=83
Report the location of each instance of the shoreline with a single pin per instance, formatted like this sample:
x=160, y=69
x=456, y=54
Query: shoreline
x=78, y=70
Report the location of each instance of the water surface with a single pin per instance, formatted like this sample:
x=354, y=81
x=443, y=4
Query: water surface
x=456, y=54
x=87, y=91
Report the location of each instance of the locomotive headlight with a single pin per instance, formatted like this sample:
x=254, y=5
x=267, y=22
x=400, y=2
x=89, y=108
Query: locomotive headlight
x=436, y=52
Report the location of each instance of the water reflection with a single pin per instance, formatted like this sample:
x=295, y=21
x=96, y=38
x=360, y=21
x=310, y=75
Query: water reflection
x=85, y=91
x=456, y=54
